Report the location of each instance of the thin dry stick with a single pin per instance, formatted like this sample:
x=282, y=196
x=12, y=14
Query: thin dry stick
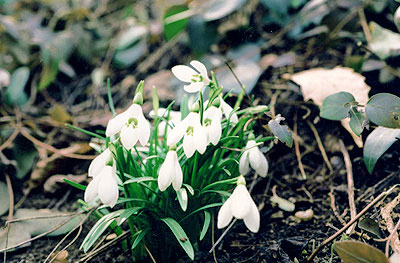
x=350, y=182
x=385, y=212
x=364, y=24
x=67, y=246
x=297, y=148
x=320, y=146
x=50, y=148
x=331, y=238
x=391, y=237
x=10, y=139
x=65, y=237
x=333, y=206
x=243, y=87
x=100, y=249
x=38, y=236
x=213, y=236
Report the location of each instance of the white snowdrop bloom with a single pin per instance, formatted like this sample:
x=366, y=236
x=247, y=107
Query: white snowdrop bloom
x=255, y=158
x=193, y=133
x=174, y=118
x=197, y=77
x=212, y=123
x=104, y=185
x=98, y=163
x=241, y=206
x=170, y=172
x=226, y=110
x=133, y=127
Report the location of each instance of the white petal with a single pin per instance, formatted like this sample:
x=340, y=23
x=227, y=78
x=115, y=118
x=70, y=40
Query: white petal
x=255, y=157
x=194, y=87
x=98, y=163
x=244, y=163
x=189, y=146
x=241, y=199
x=227, y=109
x=166, y=172
x=252, y=219
x=177, y=133
x=177, y=179
x=215, y=132
x=91, y=189
x=115, y=124
x=144, y=131
x=183, y=73
x=262, y=169
x=199, y=67
x=129, y=136
x=108, y=187
x=200, y=138
x=224, y=214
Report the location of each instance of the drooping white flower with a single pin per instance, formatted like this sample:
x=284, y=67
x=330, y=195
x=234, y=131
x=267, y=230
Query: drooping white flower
x=241, y=206
x=104, y=184
x=193, y=133
x=174, y=118
x=170, y=172
x=226, y=110
x=255, y=158
x=212, y=123
x=133, y=127
x=197, y=77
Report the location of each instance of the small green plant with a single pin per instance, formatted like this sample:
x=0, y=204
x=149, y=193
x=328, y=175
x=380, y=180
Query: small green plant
x=382, y=109
x=186, y=166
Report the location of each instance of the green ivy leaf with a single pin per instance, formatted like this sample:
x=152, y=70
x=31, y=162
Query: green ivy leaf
x=377, y=143
x=336, y=106
x=383, y=109
x=356, y=121
x=357, y=252
x=180, y=235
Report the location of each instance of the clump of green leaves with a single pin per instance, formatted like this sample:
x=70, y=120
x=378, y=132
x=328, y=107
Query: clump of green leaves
x=175, y=172
x=382, y=109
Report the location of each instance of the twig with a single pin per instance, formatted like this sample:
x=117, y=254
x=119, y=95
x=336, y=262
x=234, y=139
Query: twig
x=297, y=148
x=350, y=182
x=364, y=23
x=274, y=98
x=65, y=237
x=385, y=212
x=213, y=237
x=320, y=146
x=11, y=197
x=243, y=87
x=38, y=236
x=333, y=206
x=100, y=249
x=15, y=133
x=328, y=240
x=50, y=148
x=44, y=217
x=392, y=236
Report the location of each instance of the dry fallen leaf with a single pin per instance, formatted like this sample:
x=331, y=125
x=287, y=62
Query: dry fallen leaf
x=316, y=84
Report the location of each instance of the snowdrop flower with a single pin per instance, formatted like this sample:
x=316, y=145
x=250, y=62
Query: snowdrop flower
x=174, y=118
x=212, y=123
x=170, y=172
x=104, y=184
x=133, y=127
x=193, y=133
x=241, y=206
x=197, y=77
x=227, y=109
x=253, y=156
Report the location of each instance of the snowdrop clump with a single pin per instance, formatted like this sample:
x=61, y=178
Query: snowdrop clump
x=200, y=151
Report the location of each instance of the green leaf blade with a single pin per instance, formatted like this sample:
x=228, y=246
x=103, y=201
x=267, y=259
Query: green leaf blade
x=180, y=235
x=377, y=143
x=336, y=106
x=383, y=109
